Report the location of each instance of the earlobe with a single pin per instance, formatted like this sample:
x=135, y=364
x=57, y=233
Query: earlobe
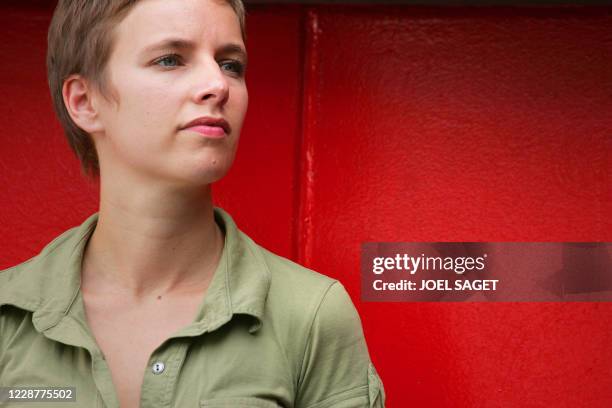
x=79, y=101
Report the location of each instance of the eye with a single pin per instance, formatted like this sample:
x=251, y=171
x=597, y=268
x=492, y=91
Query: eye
x=168, y=61
x=234, y=66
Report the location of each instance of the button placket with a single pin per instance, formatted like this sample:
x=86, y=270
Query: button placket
x=155, y=381
x=159, y=385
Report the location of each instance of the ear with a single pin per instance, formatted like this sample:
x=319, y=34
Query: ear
x=79, y=99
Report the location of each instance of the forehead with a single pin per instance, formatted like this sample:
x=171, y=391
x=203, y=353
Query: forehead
x=201, y=21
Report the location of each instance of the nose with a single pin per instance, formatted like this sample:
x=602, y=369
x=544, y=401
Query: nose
x=212, y=85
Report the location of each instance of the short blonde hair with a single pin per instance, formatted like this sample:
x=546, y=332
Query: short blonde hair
x=80, y=41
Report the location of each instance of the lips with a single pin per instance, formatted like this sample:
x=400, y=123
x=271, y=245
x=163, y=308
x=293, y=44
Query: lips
x=209, y=121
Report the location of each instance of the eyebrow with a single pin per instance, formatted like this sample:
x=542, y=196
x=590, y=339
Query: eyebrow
x=186, y=45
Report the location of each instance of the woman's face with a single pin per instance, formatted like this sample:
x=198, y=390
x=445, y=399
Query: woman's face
x=173, y=61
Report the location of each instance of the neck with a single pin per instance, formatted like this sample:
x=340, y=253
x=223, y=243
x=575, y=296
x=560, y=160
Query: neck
x=152, y=242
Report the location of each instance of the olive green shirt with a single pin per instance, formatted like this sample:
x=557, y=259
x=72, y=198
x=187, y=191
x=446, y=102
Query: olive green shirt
x=267, y=333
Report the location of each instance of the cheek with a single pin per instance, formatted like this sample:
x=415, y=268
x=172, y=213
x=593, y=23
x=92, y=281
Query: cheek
x=239, y=104
x=142, y=128
x=244, y=98
x=147, y=115
x=151, y=107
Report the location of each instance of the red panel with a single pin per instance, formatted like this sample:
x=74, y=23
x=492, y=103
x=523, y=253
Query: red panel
x=488, y=124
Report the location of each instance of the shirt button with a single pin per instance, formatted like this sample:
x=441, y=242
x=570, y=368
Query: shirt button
x=158, y=367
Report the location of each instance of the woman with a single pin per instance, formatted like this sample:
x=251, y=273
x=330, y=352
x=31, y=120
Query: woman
x=158, y=299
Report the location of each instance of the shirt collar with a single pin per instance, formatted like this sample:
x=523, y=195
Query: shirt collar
x=49, y=283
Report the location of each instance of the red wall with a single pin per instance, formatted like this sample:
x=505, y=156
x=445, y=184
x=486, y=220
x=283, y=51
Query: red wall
x=371, y=123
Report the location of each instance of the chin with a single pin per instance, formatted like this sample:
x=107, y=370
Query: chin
x=210, y=173
x=199, y=169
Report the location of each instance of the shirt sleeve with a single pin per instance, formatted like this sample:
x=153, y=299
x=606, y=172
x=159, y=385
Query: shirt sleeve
x=337, y=370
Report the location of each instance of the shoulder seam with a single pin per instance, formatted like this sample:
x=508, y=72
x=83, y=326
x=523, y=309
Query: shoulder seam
x=333, y=397
x=309, y=336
